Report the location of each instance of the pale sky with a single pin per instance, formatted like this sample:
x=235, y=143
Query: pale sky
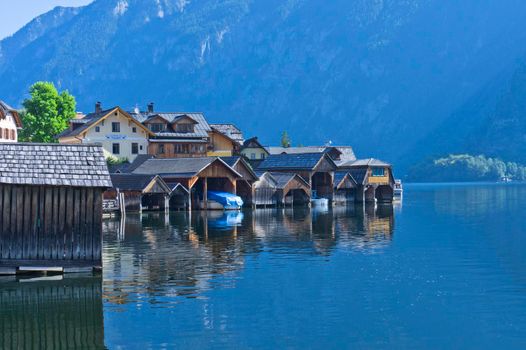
x=14, y=14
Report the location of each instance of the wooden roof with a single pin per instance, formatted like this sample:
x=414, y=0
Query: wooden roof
x=301, y=161
x=181, y=167
x=138, y=182
x=53, y=164
x=5, y=110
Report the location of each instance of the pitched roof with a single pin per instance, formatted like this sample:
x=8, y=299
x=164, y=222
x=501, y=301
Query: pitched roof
x=201, y=128
x=233, y=160
x=346, y=153
x=340, y=175
x=253, y=141
x=90, y=120
x=130, y=167
x=282, y=179
x=5, y=110
x=365, y=162
x=359, y=175
x=229, y=130
x=136, y=182
x=179, y=167
x=301, y=161
x=53, y=164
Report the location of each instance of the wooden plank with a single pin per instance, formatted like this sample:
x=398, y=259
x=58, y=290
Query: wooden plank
x=68, y=229
x=76, y=224
x=48, y=223
x=82, y=227
x=97, y=226
x=33, y=241
x=54, y=225
x=41, y=217
x=88, y=234
x=16, y=207
x=27, y=222
x=61, y=237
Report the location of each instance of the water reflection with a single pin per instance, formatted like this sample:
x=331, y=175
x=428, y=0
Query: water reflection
x=156, y=255
x=51, y=313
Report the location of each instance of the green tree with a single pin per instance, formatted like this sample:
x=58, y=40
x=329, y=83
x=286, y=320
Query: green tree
x=46, y=113
x=285, y=140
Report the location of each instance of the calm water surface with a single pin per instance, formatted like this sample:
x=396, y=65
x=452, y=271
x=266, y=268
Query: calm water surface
x=446, y=269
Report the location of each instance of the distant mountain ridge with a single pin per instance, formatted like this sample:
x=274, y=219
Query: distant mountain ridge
x=385, y=76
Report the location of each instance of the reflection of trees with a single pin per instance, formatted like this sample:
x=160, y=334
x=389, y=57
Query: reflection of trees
x=155, y=254
x=52, y=314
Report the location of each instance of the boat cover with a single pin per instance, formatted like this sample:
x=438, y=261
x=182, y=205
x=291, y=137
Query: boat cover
x=227, y=200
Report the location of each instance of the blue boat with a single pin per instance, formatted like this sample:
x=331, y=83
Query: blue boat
x=223, y=200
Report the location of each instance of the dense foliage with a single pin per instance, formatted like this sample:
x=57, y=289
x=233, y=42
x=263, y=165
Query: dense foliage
x=46, y=113
x=465, y=167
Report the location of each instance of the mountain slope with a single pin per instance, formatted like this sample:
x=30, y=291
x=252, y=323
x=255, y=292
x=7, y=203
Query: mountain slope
x=377, y=74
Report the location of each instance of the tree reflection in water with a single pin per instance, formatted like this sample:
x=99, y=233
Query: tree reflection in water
x=156, y=256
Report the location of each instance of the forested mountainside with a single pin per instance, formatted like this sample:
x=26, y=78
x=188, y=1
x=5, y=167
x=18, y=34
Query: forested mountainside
x=386, y=76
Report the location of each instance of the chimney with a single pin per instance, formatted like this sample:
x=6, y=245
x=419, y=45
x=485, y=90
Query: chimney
x=150, y=107
x=98, y=107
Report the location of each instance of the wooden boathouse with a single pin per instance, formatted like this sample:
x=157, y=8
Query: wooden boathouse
x=244, y=185
x=374, y=179
x=316, y=168
x=51, y=207
x=136, y=193
x=198, y=175
x=344, y=187
x=281, y=189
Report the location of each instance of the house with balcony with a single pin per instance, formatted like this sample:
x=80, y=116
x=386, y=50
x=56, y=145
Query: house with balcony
x=121, y=135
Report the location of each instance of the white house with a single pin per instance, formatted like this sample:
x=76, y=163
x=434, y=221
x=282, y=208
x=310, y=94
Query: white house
x=120, y=135
x=10, y=123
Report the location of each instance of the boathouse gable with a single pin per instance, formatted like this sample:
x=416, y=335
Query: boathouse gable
x=51, y=205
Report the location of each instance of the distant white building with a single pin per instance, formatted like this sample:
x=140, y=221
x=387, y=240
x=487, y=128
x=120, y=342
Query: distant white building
x=10, y=123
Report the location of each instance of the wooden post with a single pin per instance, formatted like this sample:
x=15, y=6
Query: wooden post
x=205, y=194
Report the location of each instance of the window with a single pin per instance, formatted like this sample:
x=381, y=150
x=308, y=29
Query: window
x=134, y=129
x=116, y=148
x=184, y=128
x=157, y=127
x=116, y=127
x=6, y=134
x=252, y=156
x=135, y=148
x=140, y=147
x=378, y=172
x=1, y=132
x=13, y=135
x=262, y=155
x=160, y=150
x=97, y=129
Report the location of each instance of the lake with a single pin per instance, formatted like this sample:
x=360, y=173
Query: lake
x=444, y=269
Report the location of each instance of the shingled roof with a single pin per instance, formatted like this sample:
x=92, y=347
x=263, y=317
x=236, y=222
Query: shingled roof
x=201, y=127
x=136, y=182
x=231, y=131
x=179, y=167
x=282, y=179
x=53, y=165
x=301, y=161
x=365, y=162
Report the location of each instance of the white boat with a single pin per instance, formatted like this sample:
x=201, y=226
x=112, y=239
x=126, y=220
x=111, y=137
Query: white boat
x=398, y=190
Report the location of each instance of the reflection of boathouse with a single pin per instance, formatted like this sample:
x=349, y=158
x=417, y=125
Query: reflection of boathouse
x=51, y=314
